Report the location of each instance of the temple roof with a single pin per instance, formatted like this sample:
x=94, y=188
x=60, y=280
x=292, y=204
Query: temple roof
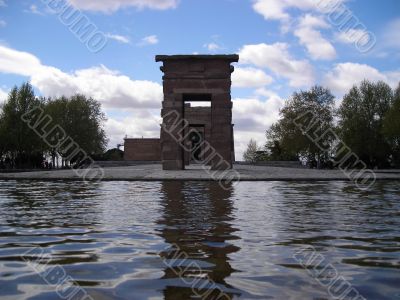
x=229, y=57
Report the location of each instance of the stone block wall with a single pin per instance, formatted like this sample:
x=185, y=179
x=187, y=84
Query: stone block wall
x=142, y=149
x=197, y=78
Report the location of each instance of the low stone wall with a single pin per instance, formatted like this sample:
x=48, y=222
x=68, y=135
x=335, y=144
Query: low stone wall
x=281, y=164
x=142, y=150
x=124, y=163
x=27, y=170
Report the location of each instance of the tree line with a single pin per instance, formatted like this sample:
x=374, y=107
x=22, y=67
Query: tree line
x=367, y=121
x=81, y=119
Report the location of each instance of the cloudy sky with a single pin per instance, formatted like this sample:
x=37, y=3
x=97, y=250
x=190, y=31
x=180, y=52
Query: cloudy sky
x=284, y=46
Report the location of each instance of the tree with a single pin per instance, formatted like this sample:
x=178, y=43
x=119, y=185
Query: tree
x=391, y=128
x=114, y=154
x=82, y=120
x=57, y=110
x=19, y=143
x=21, y=146
x=286, y=140
x=250, y=155
x=2, y=141
x=274, y=148
x=361, y=117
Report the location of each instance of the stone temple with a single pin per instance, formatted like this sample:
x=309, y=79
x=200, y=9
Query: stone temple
x=200, y=134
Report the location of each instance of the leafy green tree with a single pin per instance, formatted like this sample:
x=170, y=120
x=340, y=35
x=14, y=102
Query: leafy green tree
x=22, y=146
x=391, y=128
x=250, y=155
x=2, y=141
x=286, y=140
x=274, y=148
x=56, y=109
x=82, y=120
x=361, y=117
x=19, y=143
x=114, y=154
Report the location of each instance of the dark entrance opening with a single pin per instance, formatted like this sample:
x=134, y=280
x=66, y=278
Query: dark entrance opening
x=197, y=113
x=196, y=139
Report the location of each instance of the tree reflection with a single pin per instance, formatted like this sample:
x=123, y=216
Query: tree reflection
x=48, y=204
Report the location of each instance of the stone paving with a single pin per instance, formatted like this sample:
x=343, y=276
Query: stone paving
x=240, y=172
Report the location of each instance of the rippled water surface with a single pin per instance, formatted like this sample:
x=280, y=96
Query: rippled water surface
x=195, y=240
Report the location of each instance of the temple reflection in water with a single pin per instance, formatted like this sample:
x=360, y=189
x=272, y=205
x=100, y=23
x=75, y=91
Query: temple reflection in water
x=197, y=223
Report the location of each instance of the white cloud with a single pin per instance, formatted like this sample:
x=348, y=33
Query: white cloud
x=278, y=9
x=3, y=23
x=352, y=36
x=345, y=75
x=276, y=57
x=112, y=89
x=18, y=62
x=317, y=46
x=252, y=117
x=212, y=47
x=250, y=77
x=140, y=123
x=271, y=9
x=118, y=38
x=149, y=40
x=2, y=3
x=34, y=10
x=3, y=96
x=391, y=36
x=108, y=6
x=393, y=78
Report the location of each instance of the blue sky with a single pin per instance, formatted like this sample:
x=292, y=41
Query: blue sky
x=284, y=46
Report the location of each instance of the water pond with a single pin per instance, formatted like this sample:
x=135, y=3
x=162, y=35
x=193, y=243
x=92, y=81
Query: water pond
x=196, y=240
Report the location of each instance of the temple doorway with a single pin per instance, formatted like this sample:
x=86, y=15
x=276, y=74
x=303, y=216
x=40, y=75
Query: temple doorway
x=196, y=138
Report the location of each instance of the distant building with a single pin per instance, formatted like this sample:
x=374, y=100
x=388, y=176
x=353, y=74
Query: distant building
x=142, y=149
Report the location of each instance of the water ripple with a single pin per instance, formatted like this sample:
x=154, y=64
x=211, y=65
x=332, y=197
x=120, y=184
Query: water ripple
x=179, y=240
